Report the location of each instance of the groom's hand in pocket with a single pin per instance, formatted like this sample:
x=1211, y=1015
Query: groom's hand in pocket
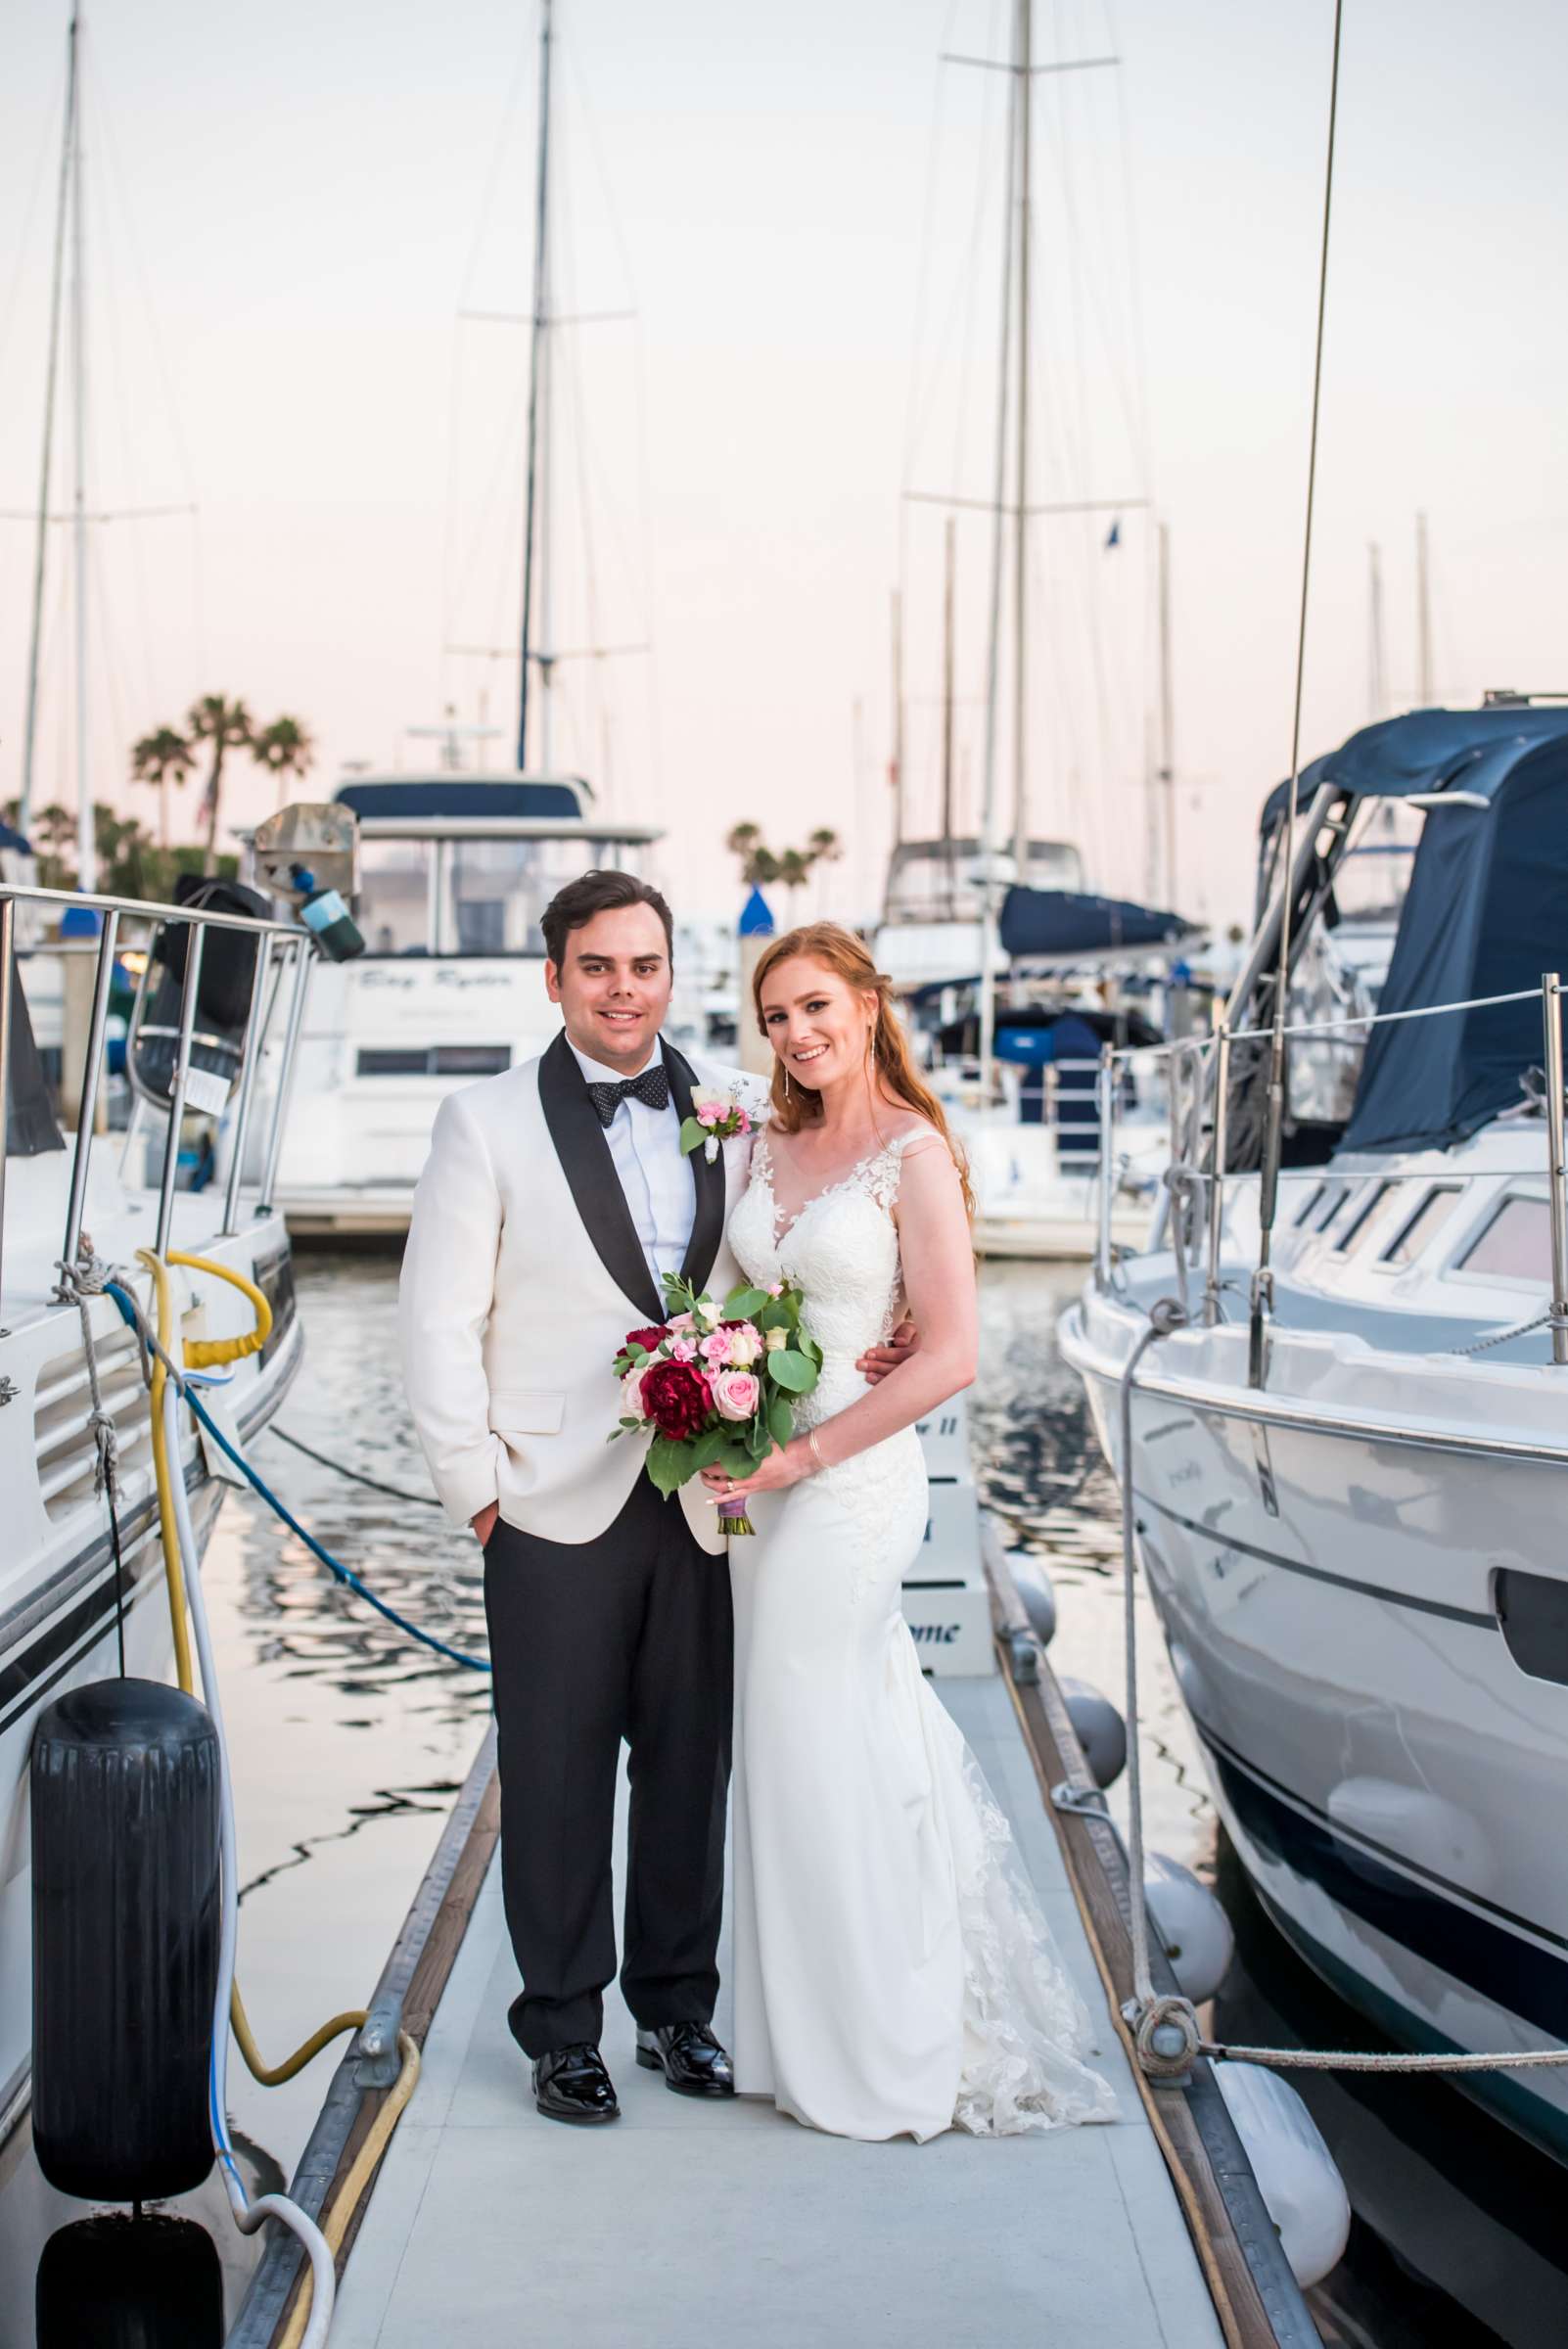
x=483, y=1524
x=878, y=1360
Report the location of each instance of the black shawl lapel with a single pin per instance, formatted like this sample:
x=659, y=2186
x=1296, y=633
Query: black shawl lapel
x=590, y=1172
x=708, y=1224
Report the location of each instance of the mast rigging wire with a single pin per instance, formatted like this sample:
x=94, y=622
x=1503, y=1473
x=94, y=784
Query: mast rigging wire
x=1263, y=1276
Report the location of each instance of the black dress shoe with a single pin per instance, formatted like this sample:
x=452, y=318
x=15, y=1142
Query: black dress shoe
x=693, y=2062
x=571, y=2084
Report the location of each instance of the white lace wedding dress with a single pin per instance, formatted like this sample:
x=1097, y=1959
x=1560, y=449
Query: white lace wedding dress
x=892, y=1972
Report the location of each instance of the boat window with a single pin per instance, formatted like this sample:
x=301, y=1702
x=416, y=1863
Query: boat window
x=494, y=892
x=432, y=1060
x=1333, y=1201
x=1362, y=1216
x=1311, y=1201
x=393, y=907
x=1516, y=1245
x=1427, y=1221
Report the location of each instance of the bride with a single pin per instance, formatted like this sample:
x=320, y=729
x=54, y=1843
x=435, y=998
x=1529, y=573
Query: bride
x=893, y=1973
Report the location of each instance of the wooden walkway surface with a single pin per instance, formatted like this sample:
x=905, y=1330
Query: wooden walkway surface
x=691, y=2224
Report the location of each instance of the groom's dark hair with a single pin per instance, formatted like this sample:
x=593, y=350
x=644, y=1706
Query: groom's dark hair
x=574, y=906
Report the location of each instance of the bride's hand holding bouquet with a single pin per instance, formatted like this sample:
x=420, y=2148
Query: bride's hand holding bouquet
x=711, y=1390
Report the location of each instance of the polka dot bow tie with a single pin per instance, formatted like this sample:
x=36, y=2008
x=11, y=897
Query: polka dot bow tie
x=652, y=1088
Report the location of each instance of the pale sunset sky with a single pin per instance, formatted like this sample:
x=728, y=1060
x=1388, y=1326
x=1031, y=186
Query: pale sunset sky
x=289, y=207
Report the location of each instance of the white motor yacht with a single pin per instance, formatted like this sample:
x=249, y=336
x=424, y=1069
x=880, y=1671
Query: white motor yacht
x=65, y=1604
x=455, y=872
x=1348, y=1478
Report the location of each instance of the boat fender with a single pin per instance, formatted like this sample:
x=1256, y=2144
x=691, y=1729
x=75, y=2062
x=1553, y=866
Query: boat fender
x=1099, y=1729
x=1296, y=2172
x=1032, y=1583
x=125, y=1789
x=118, y=2283
x=1192, y=1924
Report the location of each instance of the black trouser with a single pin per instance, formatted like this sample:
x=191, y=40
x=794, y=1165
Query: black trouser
x=627, y=1636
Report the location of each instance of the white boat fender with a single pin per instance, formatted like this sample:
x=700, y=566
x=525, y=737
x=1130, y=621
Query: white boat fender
x=1032, y=1583
x=1301, y=2186
x=1191, y=1925
x=1099, y=1729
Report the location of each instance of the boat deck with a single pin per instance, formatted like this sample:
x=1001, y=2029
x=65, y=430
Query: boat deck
x=691, y=2223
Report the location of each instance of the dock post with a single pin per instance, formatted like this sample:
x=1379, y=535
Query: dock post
x=87, y=1091
x=1551, y=1007
x=1217, y=1171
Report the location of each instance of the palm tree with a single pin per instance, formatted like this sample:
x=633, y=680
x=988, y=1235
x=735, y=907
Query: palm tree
x=794, y=867
x=283, y=748
x=225, y=725
x=757, y=863
x=162, y=757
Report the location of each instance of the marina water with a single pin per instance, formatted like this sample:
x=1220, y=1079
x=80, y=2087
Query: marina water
x=350, y=1743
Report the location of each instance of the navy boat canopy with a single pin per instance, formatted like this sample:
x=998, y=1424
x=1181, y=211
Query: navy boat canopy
x=1426, y=750
x=427, y=797
x=1062, y=922
x=1486, y=914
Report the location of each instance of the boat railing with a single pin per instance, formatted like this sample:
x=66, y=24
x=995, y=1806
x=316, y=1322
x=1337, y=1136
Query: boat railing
x=283, y=949
x=1199, y=1092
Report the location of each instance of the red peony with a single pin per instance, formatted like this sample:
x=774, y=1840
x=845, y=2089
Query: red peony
x=676, y=1398
x=648, y=1339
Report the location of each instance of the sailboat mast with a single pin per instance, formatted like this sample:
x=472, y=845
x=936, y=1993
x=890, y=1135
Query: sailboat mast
x=1023, y=68
x=896, y=778
x=86, y=845
x=45, y=472
x=947, y=713
x=987, y=801
x=537, y=388
x=1376, y=689
x=1423, y=618
x=1167, y=720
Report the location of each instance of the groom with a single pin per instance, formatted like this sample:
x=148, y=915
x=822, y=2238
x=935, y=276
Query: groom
x=554, y=1198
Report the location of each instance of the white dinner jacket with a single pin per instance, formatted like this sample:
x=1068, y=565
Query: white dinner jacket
x=521, y=1275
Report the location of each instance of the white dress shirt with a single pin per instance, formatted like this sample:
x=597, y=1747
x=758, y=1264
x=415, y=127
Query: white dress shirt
x=655, y=1176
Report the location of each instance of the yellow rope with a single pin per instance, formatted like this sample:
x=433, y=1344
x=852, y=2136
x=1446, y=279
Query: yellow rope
x=204, y=1353
x=348, y=2198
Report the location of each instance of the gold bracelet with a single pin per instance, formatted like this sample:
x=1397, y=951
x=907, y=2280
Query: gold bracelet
x=816, y=1449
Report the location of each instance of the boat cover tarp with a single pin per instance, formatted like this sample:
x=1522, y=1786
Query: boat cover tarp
x=1426, y=750
x=30, y=1120
x=463, y=795
x=1486, y=914
x=1063, y=921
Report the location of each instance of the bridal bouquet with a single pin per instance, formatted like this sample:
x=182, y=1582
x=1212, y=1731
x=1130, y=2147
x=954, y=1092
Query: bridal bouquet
x=712, y=1385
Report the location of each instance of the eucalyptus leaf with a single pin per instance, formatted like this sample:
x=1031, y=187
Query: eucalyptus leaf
x=780, y=1420
x=668, y=1464
x=692, y=1136
x=792, y=1370
x=744, y=1304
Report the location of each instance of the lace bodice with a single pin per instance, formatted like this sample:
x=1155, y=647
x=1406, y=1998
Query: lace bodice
x=841, y=1250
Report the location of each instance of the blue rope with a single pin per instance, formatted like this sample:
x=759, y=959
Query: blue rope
x=131, y=1313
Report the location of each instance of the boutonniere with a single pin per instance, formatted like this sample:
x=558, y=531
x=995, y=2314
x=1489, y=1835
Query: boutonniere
x=716, y=1118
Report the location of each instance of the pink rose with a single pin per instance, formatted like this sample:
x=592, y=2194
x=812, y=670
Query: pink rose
x=745, y=1343
x=682, y=1321
x=716, y=1350
x=776, y=1289
x=736, y=1393
x=681, y=1350
x=709, y=1114
x=631, y=1403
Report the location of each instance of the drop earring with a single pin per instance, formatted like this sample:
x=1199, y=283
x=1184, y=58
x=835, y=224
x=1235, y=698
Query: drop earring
x=786, y=1084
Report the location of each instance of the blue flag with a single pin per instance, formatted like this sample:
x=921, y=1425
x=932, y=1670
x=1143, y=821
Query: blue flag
x=1113, y=537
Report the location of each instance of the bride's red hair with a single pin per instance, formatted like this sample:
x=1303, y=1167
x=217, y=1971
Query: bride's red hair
x=898, y=1080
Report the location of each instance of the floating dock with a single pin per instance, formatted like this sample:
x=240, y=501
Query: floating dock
x=690, y=2222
